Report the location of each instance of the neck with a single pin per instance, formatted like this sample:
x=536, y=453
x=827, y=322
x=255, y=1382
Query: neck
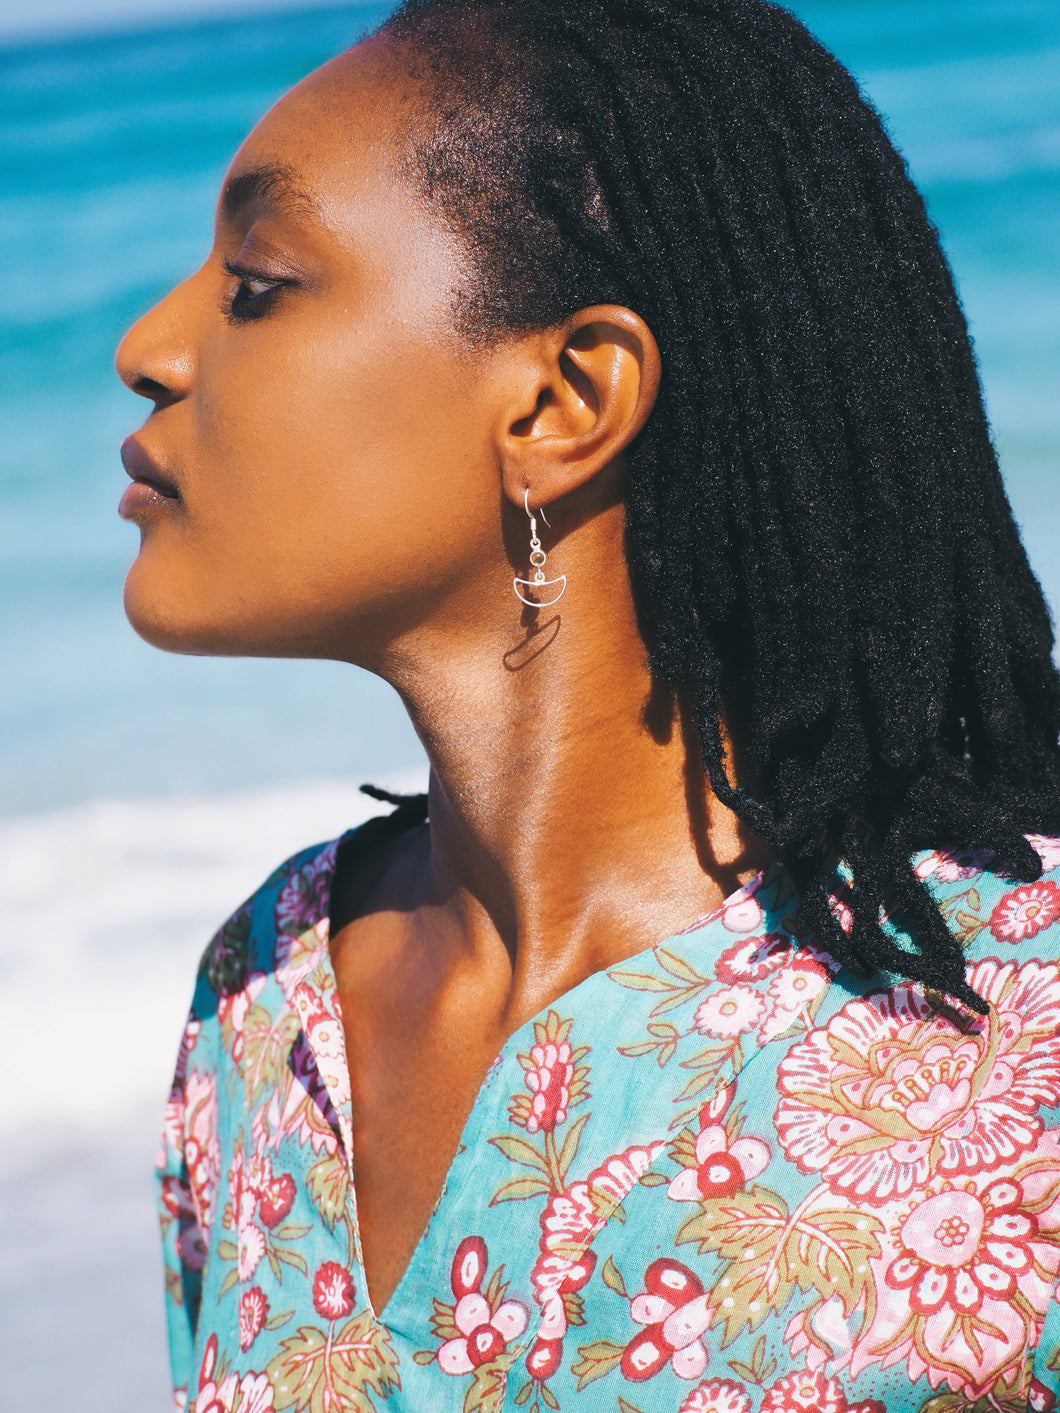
x=571, y=822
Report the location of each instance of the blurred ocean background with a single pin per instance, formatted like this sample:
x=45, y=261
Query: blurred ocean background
x=142, y=796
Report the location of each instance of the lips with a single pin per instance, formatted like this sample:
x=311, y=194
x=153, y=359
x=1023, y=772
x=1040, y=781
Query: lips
x=141, y=467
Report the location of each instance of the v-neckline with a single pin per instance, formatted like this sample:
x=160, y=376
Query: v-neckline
x=339, y=1091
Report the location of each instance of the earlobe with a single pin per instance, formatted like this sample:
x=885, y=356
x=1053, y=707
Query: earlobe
x=597, y=378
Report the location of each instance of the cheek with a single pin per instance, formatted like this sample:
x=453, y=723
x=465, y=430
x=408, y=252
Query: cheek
x=328, y=479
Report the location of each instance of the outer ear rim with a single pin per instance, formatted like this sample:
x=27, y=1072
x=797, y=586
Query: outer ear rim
x=650, y=359
x=579, y=464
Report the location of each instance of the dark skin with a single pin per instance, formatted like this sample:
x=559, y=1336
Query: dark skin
x=329, y=471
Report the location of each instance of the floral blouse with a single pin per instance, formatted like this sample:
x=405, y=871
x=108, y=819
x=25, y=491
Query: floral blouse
x=722, y=1177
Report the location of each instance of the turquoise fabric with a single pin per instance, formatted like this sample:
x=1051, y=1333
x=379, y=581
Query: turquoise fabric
x=721, y=1177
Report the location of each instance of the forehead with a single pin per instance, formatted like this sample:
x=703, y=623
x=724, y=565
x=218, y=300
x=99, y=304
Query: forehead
x=329, y=161
x=333, y=140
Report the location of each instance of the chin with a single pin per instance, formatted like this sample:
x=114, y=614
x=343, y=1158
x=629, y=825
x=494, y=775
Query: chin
x=167, y=621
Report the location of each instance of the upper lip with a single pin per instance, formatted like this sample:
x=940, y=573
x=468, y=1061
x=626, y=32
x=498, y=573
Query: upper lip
x=140, y=467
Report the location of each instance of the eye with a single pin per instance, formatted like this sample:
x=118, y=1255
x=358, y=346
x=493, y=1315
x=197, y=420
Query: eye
x=254, y=294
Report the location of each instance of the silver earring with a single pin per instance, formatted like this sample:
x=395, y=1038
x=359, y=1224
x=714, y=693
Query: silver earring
x=537, y=581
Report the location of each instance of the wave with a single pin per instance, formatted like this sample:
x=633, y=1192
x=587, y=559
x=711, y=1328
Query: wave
x=107, y=907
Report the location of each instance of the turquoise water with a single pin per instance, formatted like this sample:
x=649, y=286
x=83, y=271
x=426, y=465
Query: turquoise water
x=111, y=149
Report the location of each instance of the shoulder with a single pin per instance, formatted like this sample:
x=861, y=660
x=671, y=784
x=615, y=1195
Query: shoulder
x=258, y=936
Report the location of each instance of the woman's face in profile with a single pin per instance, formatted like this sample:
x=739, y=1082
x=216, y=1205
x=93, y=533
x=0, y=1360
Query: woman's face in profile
x=321, y=440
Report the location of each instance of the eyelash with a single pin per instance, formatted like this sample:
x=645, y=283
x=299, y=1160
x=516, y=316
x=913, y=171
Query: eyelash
x=242, y=306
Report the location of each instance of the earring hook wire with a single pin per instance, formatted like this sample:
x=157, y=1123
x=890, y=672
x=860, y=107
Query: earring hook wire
x=526, y=507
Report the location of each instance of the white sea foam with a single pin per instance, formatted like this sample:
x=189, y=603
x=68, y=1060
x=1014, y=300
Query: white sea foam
x=107, y=907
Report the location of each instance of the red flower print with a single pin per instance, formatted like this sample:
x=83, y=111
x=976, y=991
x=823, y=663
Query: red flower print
x=214, y=1396
x=717, y=1396
x=276, y=1200
x=553, y=1075
x=1039, y=1398
x=253, y=1312
x=753, y=959
x=546, y=1352
x=545, y=1357
x=1026, y=911
x=805, y=1393
x=729, y=1012
x=548, y=1080
x=890, y=1092
x=484, y=1333
x=957, y=1248
x=722, y=1167
x=675, y=1312
x=572, y=1218
x=333, y=1291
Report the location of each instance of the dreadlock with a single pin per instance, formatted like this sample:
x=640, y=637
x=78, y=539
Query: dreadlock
x=820, y=545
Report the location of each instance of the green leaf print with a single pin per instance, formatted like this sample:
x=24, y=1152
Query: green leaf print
x=597, y=1359
x=321, y=1371
x=612, y=1277
x=519, y=1189
x=519, y=1150
x=327, y=1183
x=767, y=1254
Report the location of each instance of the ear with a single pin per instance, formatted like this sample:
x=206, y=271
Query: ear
x=582, y=393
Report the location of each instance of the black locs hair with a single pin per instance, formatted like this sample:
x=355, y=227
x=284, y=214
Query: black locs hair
x=820, y=544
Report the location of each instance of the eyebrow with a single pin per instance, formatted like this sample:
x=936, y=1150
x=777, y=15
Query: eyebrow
x=273, y=185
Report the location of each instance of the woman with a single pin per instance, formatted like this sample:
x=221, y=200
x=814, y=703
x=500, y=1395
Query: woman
x=592, y=373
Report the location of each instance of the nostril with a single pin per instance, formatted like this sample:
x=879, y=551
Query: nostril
x=150, y=388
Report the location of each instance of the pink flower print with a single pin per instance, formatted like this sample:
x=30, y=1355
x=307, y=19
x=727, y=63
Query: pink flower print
x=723, y=1168
x=1047, y=849
x=257, y=1394
x=675, y=1313
x=1040, y=1399
x=754, y=958
x=323, y=1031
x=333, y=1291
x=484, y=1333
x=1026, y=911
x=890, y=1092
x=718, y=1396
x=790, y=991
x=957, y=1248
x=548, y=1079
x=250, y=1248
x=233, y=1008
x=253, y=1312
x=214, y=1397
x=841, y=912
x=202, y=1152
x=953, y=865
x=302, y=1108
x=805, y=1393
x=742, y=913
x=276, y=1200
x=729, y=1012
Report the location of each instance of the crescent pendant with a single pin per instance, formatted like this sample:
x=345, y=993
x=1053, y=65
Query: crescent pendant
x=520, y=584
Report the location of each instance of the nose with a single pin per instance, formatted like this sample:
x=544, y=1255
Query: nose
x=155, y=358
